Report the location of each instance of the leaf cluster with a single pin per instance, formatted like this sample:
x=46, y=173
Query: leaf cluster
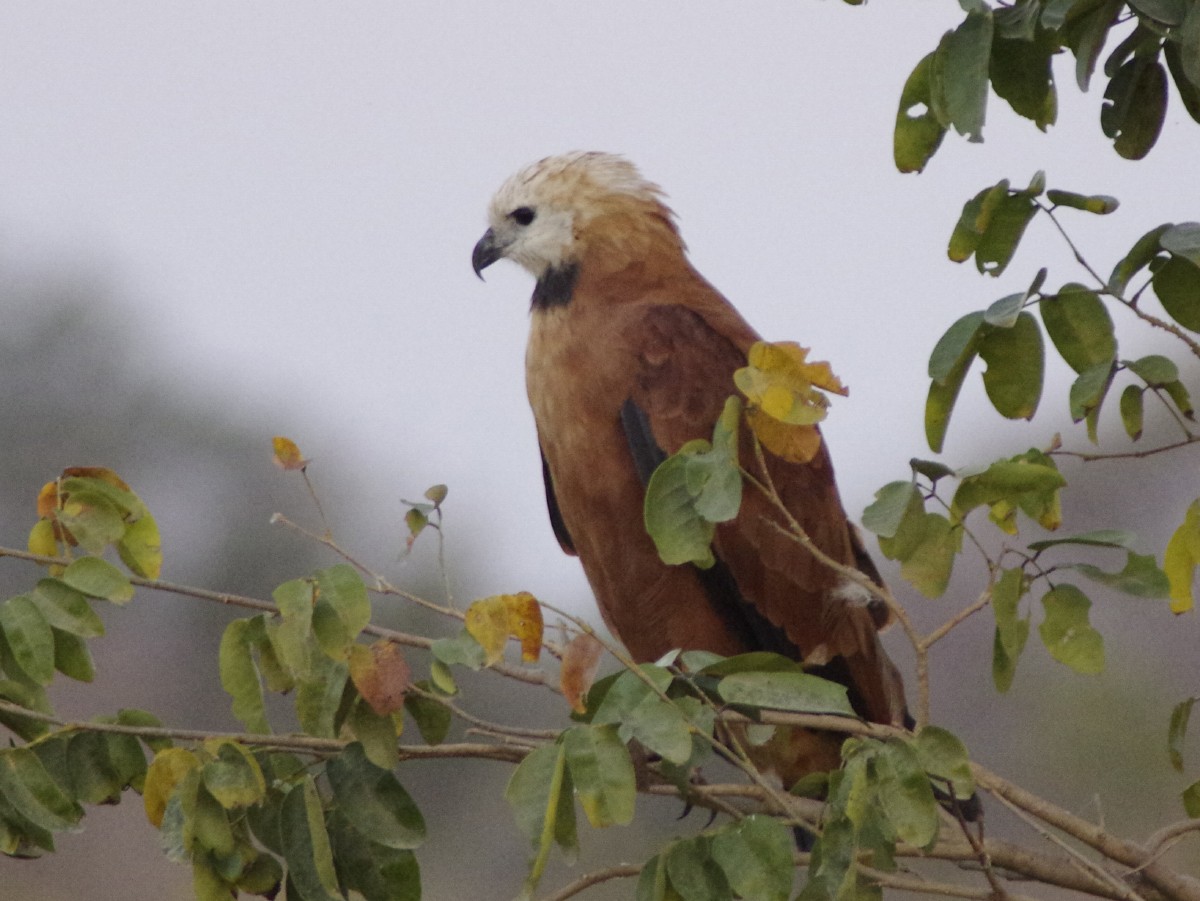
x=1009, y=49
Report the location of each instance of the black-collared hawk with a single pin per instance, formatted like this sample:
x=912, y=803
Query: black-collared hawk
x=631, y=354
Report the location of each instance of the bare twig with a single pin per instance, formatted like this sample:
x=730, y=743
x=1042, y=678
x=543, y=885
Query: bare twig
x=621, y=871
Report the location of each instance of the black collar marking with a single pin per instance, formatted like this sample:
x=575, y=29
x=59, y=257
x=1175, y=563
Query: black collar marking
x=555, y=287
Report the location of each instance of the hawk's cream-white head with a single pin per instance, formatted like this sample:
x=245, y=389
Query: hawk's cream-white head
x=548, y=215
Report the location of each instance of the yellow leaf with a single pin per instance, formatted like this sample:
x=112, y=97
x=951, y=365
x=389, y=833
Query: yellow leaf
x=1180, y=560
x=41, y=539
x=794, y=443
x=492, y=620
x=381, y=675
x=167, y=770
x=781, y=382
x=287, y=455
x=487, y=622
x=580, y=660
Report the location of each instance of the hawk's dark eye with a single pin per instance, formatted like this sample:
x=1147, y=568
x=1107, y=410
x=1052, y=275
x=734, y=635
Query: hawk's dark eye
x=522, y=215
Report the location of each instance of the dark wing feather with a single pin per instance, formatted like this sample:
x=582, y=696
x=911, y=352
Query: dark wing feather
x=556, y=519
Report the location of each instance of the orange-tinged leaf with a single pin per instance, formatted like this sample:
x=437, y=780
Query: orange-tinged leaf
x=794, y=443
x=580, y=660
x=47, y=500
x=167, y=770
x=492, y=620
x=381, y=675
x=287, y=455
x=525, y=623
x=103, y=473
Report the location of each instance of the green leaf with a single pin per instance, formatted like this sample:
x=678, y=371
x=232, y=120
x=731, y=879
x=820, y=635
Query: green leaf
x=693, y=874
x=1181, y=557
x=1177, y=284
x=319, y=697
x=800, y=692
x=926, y=545
x=462, y=650
x=376, y=733
x=931, y=469
x=1133, y=411
x=209, y=825
x=1100, y=204
x=1143, y=251
x=1140, y=577
x=883, y=517
x=539, y=792
x=31, y=791
x=754, y=661
x=1003, y=312
x=1089, y=390
x=1180, y=397
x=29, y=637
x=602, y=773
x=1080, y=327
x=291, y=639
x=906, y=795
x=1085, y=29
x=641, y=713
x=1191, y=799
x=694, y=488
x=92, y=777
x=341, y=610
x=999, y=243
x=233, y=777
x=67, y=609
x=98, y=579
x=1006, y=481
x=72, y=657
x=1177, y=731
x=1118, y=538
x=960, y=74
x=956, y=344
x=918, y=132
x=92, y=518
x=239, y=676
x=680, y=533
x=1155, y=370
x=944, y=757
x=948, y=366
x=1067, y=633
x=140, y=548
x=1136, y=105
x=374, y=801
x=1012, y=630
x=306, y=847
x=432, y=719
x=1183, y=240
x=755, y=854
x=1188, y=86
x=1015, y=364
x=376, y=872
x=1021, y=73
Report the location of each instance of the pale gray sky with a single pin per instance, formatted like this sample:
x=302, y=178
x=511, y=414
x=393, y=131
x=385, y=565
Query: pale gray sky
x=286, y=195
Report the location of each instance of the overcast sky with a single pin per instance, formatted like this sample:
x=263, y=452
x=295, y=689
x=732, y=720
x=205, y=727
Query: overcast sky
x=285, y=197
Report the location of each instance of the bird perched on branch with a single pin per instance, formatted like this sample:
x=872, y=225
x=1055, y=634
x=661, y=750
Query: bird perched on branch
x=631, y=355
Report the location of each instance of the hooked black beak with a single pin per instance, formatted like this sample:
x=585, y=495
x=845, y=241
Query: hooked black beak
x=486, y=252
